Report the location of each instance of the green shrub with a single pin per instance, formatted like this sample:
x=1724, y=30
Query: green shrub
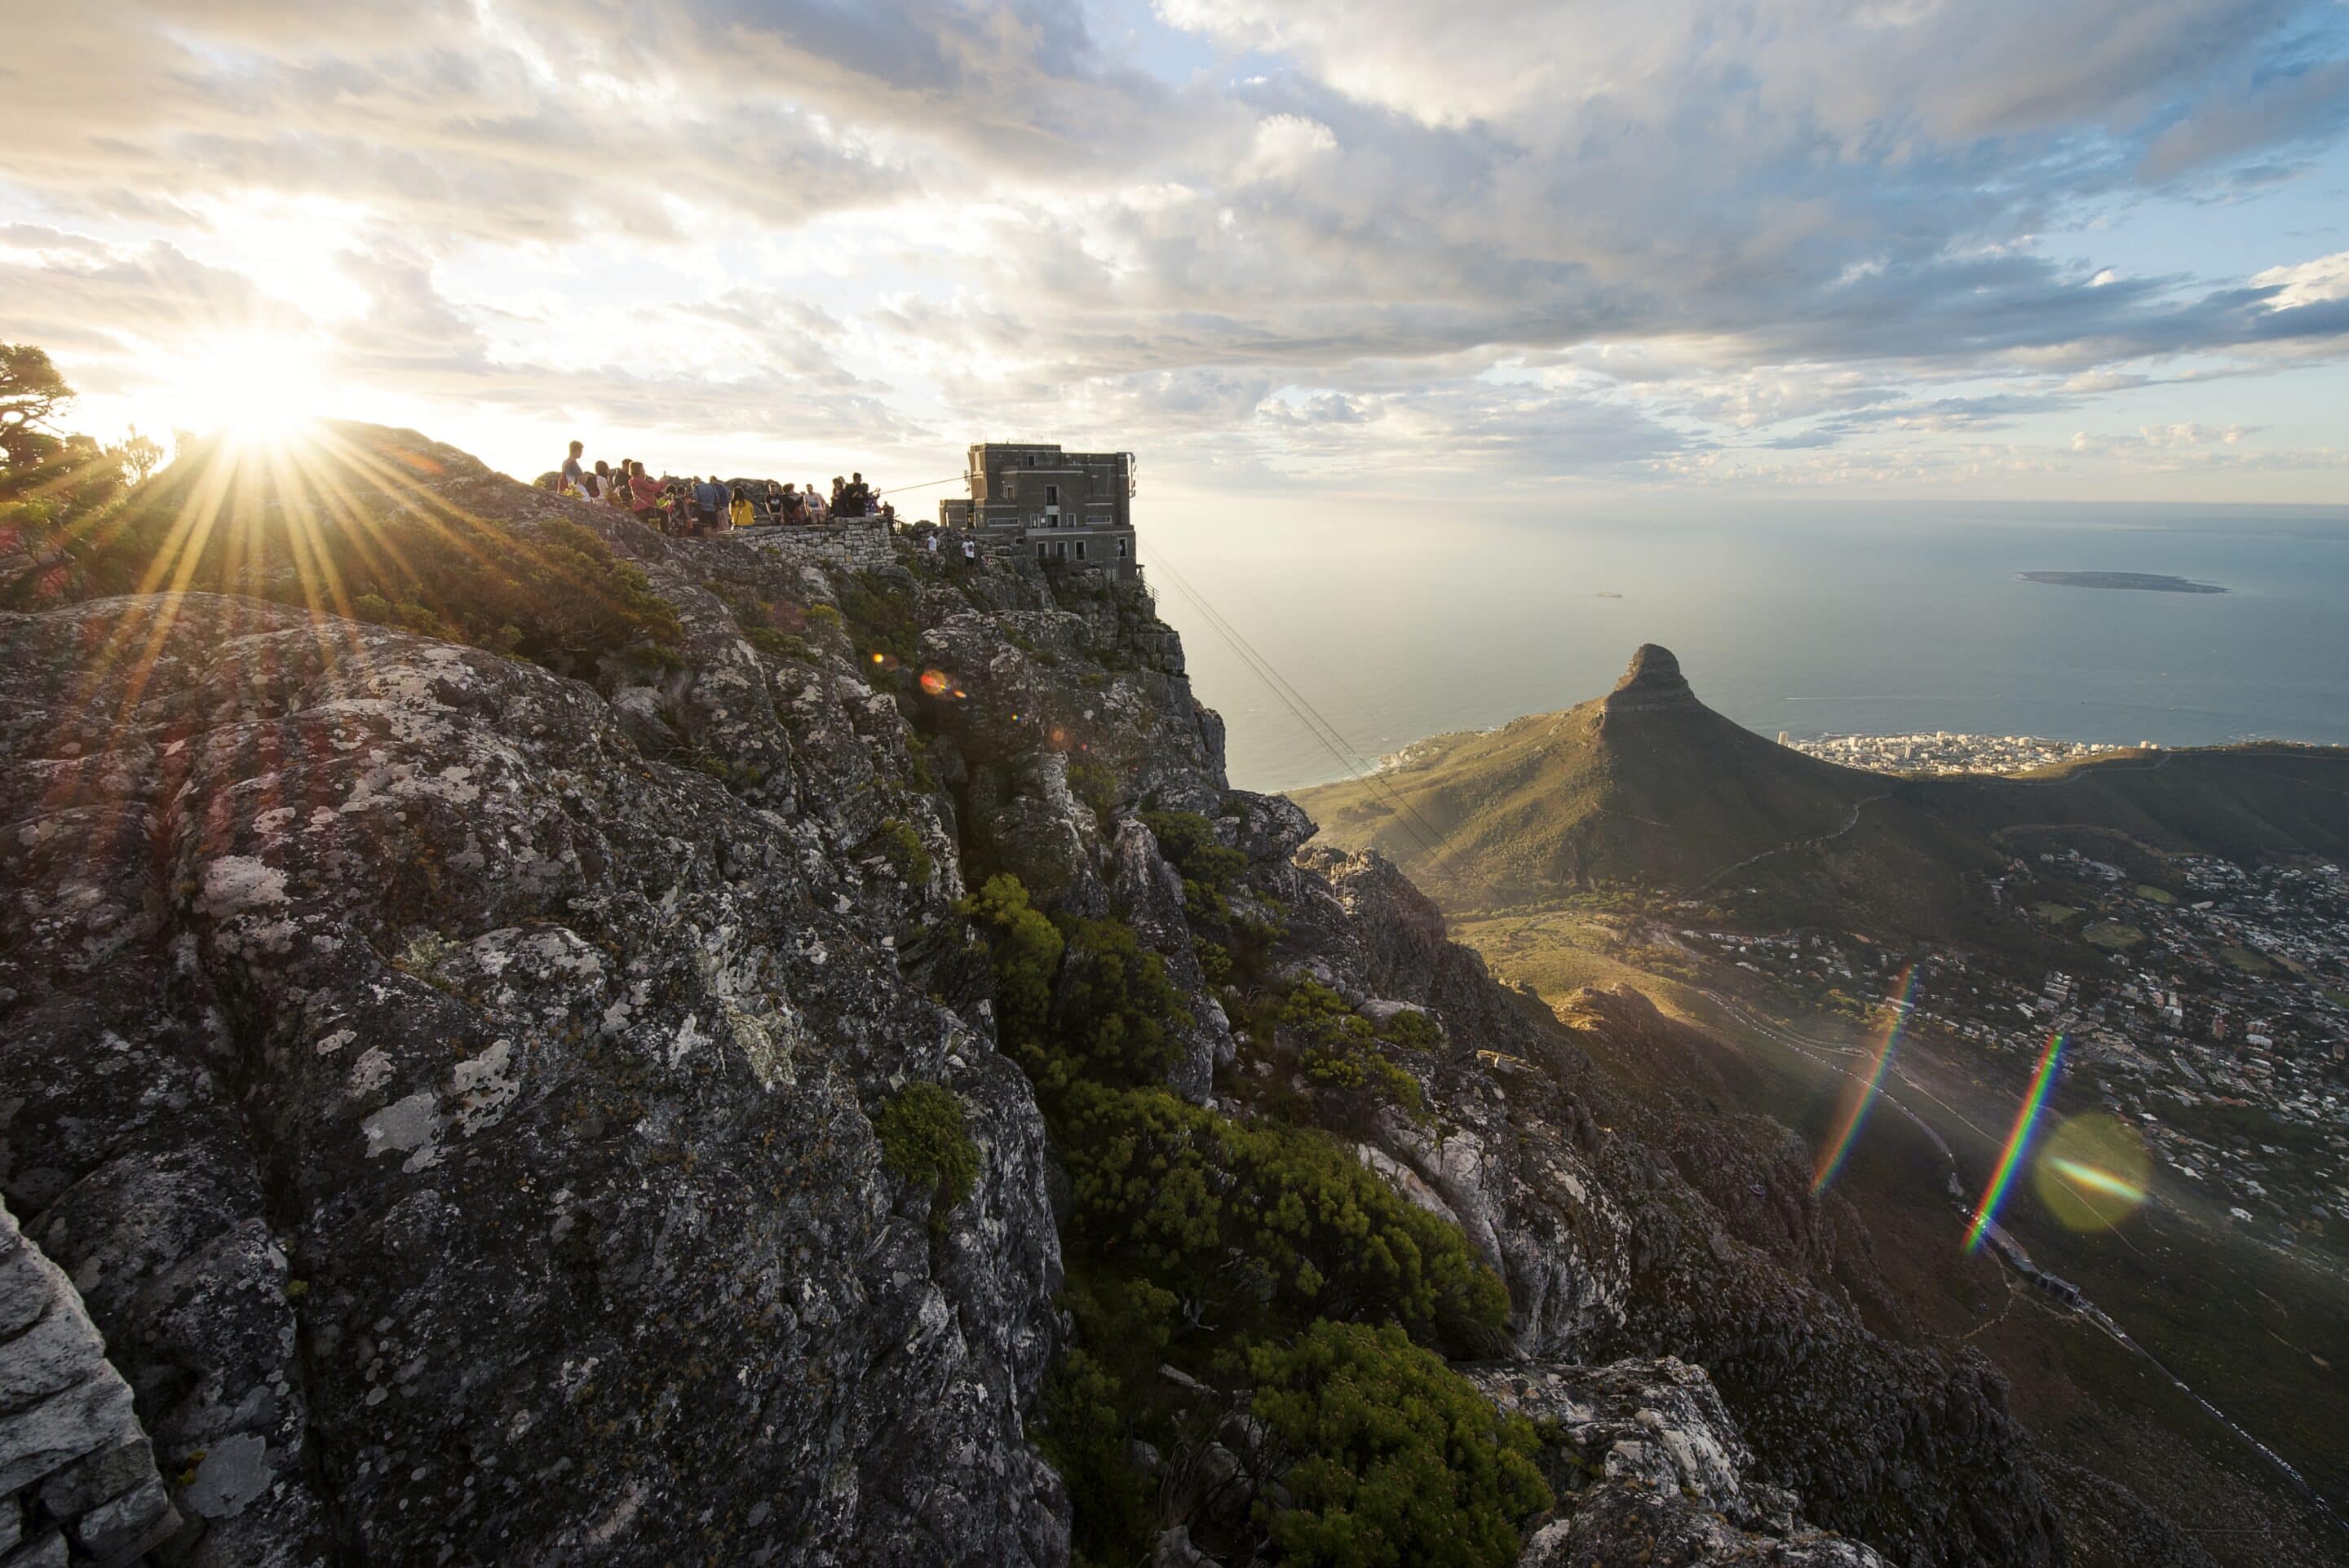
x=1095, y=788
x=905, y=851
x=1399, y=1459
x=880, y=612
x=925, y=1139
x=825, y=616
x=1285, y=1220
x=1027, y=950
x=1079, y=1000
x=1209, y=870
x=780, y=644
x=1339, y=1047
x=1118, y=1008
x=1412, y=1030
x=1084, y=1433
x=1188, y=1229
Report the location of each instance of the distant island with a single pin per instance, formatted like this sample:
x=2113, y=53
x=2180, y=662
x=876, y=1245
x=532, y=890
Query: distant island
x=2143, y=581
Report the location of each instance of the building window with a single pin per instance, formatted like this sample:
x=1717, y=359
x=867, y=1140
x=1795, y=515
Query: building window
x=1051, y=495
x=1041, y=549
x=1081, y=550
x=1122, y=545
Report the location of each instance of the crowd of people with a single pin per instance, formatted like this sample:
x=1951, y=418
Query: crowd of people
x=709, y=504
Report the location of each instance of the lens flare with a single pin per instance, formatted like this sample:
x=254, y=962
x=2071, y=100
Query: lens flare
x=2093, y=1172
x=2026, y=1118
x=933, y=683
x=1863, y=1096
x=2100, y=1180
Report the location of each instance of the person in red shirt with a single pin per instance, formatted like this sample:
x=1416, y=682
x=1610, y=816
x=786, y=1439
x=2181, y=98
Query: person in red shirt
x=643, y=492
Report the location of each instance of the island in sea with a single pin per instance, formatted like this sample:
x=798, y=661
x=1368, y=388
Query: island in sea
x=2143, y=581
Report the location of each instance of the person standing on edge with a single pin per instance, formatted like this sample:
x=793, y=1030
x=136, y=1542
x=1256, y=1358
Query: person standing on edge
x=574, y=477
x=970, y=553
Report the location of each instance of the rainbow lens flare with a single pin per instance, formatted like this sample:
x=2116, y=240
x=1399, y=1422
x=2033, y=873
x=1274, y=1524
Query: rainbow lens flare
x=2027, y=1119
x=1863, y=1096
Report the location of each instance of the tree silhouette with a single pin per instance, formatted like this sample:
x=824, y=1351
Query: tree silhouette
x=32, y=392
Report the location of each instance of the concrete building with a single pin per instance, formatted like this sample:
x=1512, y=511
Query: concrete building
x=1073, y=508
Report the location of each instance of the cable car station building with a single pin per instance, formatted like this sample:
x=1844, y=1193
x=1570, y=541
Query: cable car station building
x=1050, y=506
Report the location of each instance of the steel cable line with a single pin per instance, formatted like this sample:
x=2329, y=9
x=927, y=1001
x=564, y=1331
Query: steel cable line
x=1356, y=767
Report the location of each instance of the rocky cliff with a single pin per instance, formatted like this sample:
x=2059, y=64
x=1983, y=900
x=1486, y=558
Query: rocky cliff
x=538, y=1042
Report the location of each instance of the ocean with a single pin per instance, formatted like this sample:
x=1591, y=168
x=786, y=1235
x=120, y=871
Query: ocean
x=1839, y=619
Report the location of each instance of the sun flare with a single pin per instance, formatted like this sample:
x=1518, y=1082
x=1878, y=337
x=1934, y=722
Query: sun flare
x=251, y=385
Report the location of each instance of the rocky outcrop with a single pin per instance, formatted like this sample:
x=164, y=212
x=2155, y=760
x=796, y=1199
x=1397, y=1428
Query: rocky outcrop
x=1654, y=684
x=77, y=1481
x=1649, y=1471
x=454, y=1085
x=462, y=1124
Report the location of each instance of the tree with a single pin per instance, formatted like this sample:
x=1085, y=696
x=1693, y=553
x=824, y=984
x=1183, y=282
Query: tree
x=32, y=394
x=140, y=455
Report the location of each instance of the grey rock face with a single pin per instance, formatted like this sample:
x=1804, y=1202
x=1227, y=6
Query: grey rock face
x=462, y=1124
x=78, y=1479
x=1650, y=1469
x=453, y=1089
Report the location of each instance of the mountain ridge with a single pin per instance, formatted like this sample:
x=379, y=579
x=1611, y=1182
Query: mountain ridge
x=1647, y=786
x=593, y=1054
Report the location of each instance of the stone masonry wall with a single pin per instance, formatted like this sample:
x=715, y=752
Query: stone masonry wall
x=853, y=544
x=77, y=1478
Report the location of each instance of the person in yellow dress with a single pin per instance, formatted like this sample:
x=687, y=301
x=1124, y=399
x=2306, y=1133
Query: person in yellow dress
x=744, y=513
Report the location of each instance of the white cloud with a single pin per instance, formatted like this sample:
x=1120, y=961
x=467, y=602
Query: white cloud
x=1596, y=239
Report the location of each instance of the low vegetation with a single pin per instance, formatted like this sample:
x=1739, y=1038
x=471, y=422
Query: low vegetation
x=925, y=1137
x=1402, y=1460
x=1244, y=1249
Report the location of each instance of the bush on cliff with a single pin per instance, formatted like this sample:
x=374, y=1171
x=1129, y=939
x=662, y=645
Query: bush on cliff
x=925, y=1139
x=1398, y=1458
x=1339, y=1047
x=1264, y=1227
x=1078, y=1000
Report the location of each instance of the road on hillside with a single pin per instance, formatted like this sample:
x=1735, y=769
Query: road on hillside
x=1830, y=1054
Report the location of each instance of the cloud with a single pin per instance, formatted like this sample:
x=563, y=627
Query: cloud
x=1599, y=239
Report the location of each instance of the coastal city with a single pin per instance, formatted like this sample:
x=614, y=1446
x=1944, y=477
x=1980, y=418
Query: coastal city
x=1940, y=751
x=2212, y=1014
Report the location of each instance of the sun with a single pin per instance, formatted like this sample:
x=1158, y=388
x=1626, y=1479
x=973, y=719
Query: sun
x=255, y=385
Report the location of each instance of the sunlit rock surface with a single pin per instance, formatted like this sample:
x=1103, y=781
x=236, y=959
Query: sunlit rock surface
x=450, y=1085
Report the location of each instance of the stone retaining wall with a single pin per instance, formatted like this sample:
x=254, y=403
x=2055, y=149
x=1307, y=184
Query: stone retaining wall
x=859, y=544
x=77, y=1478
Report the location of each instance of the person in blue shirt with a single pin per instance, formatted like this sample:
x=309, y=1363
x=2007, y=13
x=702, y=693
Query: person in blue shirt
x=709, y=503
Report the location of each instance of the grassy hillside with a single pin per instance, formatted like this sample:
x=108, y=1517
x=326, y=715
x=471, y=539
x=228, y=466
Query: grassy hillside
x=1648, y=787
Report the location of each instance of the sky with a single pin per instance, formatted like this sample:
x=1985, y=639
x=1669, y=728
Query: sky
x=1348, y=259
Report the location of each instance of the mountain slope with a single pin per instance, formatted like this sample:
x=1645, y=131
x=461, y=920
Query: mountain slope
x=516, y=1075
x=1648, y=786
